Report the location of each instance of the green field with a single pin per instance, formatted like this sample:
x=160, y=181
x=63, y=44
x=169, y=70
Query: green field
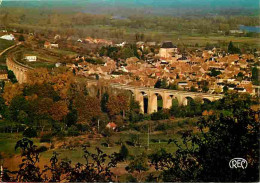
x=7, y=140
x=5, y=44
x=45, y=58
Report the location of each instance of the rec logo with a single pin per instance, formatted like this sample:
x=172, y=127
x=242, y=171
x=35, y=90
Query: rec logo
x=238, y=163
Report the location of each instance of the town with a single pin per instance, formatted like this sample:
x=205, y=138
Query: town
x=150, y=64
x=129, y=91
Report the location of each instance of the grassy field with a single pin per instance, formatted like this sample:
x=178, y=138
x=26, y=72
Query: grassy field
x=70, y=147
x=5, y=44
x=7, y=140
x=45, y=58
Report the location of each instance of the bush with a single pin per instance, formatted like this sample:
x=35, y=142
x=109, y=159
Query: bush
x=107, y=132
x=154, y=140
x=124, y=152
x=161, y=127
x=30, y=133
x=73, y=131
x=42, y=149
x=46, y=138
x=87, y=144
x=160, y=115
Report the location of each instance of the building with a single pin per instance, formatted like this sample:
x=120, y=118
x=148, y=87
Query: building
x=167, y=50
x=3, y=75
x=31, y=58
x=9, y=37
x=111, y=125
x=49, y=45
x=54, y=46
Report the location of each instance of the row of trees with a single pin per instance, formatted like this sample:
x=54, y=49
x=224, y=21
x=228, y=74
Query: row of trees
x=55, y=100
x=200, y=156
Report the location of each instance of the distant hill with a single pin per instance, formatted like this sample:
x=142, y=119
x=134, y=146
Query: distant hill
x=163, y=7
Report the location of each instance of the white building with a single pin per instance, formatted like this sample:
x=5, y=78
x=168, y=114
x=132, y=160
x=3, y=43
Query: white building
x=9, y=37
x=58, y=64
x=54, y=45
x=31, y=58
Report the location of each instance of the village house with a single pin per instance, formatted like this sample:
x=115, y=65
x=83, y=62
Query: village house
x=3, y=75
x=167, y=50
x=9, y=37
x=31, y=58
x=111, y=125
x=49, y=45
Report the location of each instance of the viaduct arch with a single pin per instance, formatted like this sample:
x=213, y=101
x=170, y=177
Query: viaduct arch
x=166, y=95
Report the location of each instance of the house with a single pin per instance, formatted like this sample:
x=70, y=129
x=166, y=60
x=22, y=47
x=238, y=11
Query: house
x=49, y=45
x=54, y=46
x=111, y=125
x=3, y=75
x=121, y=44
x=31, y=58
x=9, y=37
x=167, y=50
x=79, y=40
x=58, y=64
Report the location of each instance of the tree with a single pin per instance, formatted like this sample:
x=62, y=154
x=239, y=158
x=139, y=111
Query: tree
x=19, y=107
x=205, y=156
x=225, y=89
x=232, y=49
x=11, y=90
x=214, y=72
x=123, y=152
x=138, y=166
x=88, y=108
x=255, y=76
x=158, y=84
x=193, y=89
x=21, y=38
x=117, y=105
x=96, y=169
x=28, y=170
x=104, y=101
x=59, y=110
x=11, y=76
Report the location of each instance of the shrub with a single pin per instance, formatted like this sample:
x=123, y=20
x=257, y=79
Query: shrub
x=161, y=127
x=42, y=149
x=73, y=131
x=154, y=140
x=160, y=115
x=46, y=137
x=30, y=133
x=123, y=152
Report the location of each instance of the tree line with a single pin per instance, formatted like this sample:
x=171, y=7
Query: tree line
x=201, y=156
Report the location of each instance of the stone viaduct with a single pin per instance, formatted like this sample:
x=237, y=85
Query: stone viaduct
x=20, y=70
x=152, y=94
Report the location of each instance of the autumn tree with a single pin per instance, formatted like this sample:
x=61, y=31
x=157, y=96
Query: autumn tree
x=59, y=110
x=12, y=90
x=88, y=108
x=118, y=104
